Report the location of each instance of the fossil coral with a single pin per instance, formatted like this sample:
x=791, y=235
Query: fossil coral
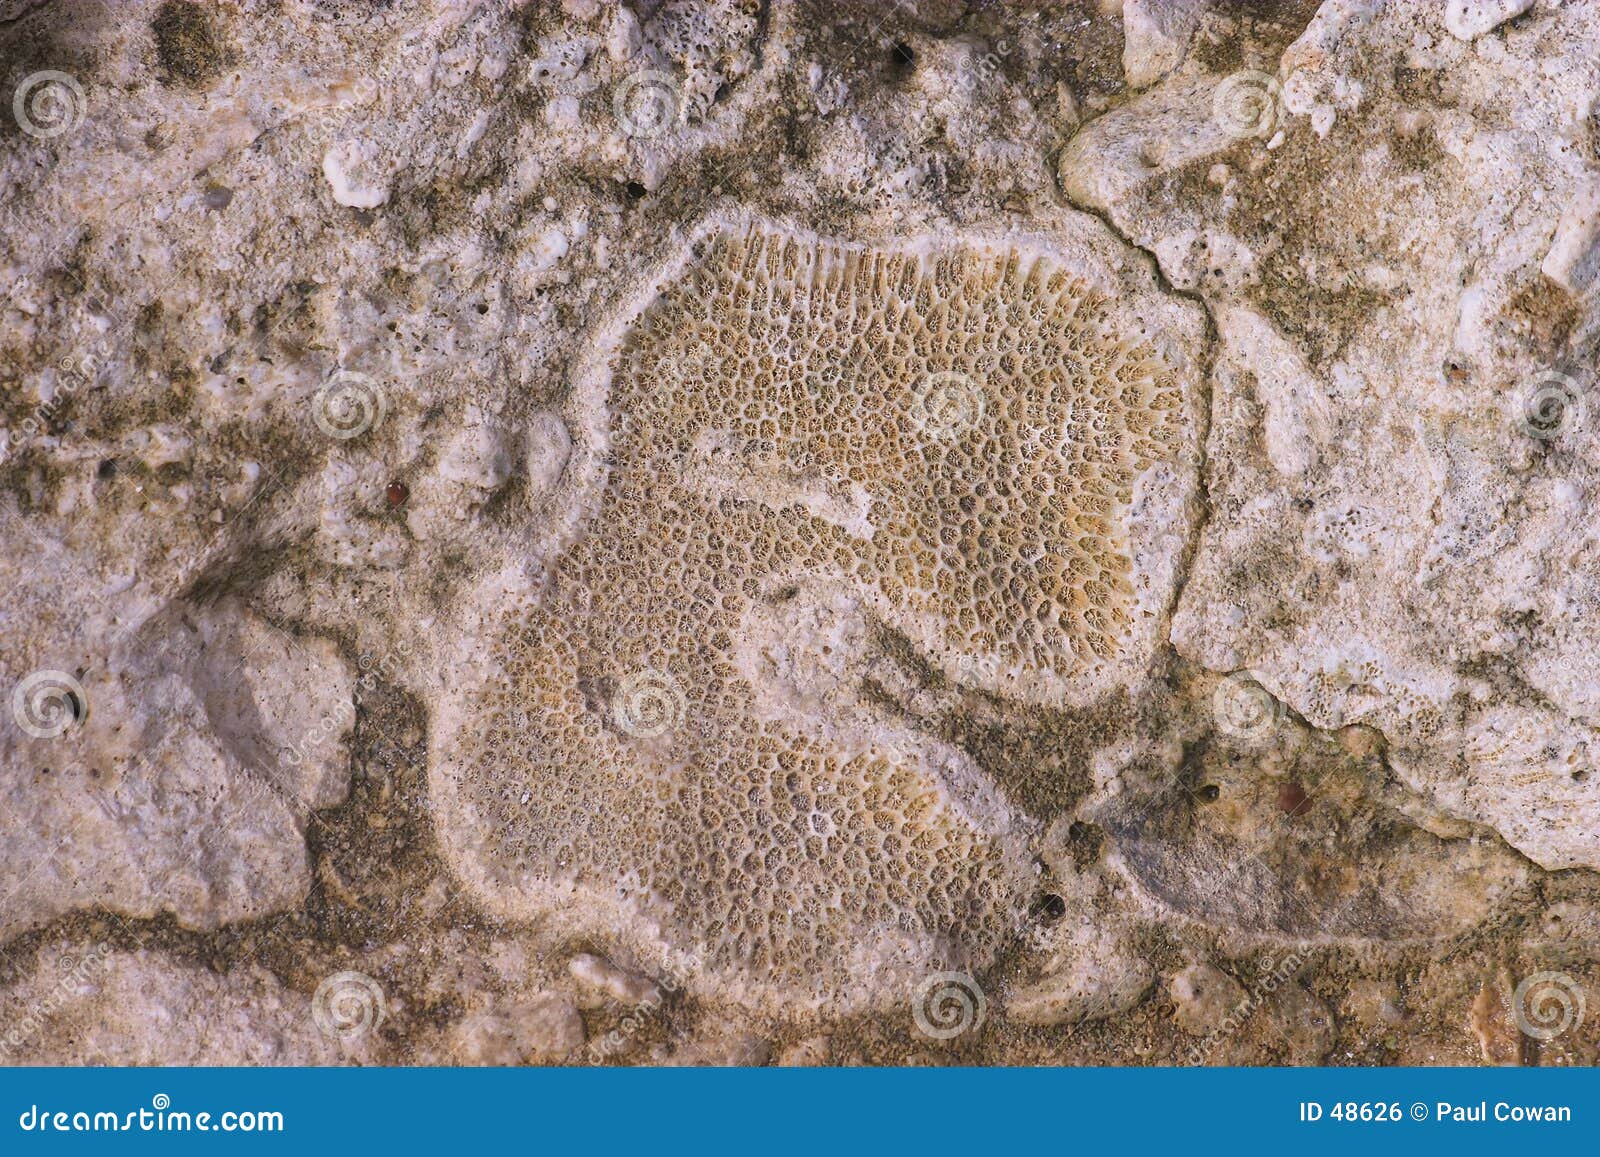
x=807, y=437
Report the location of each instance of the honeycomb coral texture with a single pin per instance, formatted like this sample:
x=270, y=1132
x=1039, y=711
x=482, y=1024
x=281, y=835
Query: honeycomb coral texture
x=952, y=436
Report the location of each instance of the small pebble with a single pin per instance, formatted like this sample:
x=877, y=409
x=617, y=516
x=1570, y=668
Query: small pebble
x=601, y=976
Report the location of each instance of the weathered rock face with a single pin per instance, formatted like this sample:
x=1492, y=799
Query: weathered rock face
x=708, y=530
x=89, y=1004
x=1400, y=463
x=163, y=766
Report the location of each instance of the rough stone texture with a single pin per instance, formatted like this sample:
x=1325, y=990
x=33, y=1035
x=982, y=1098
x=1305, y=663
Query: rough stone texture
x=1156, y=35
x=1443, y=603
x=1203, y=996
x=541, y=1029
x=195, y=745
x=604, y=980
x=88, y=1004
x=499, y=570
x=1470, y=19
x=1091, y=976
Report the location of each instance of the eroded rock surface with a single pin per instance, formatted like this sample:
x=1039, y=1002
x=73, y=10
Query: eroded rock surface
x=712, y=532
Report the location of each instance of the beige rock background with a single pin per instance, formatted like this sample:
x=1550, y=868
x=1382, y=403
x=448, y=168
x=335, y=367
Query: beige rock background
x=303, y=391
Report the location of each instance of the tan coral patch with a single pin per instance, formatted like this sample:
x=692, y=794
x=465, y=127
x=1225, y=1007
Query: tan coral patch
x=953, y=438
